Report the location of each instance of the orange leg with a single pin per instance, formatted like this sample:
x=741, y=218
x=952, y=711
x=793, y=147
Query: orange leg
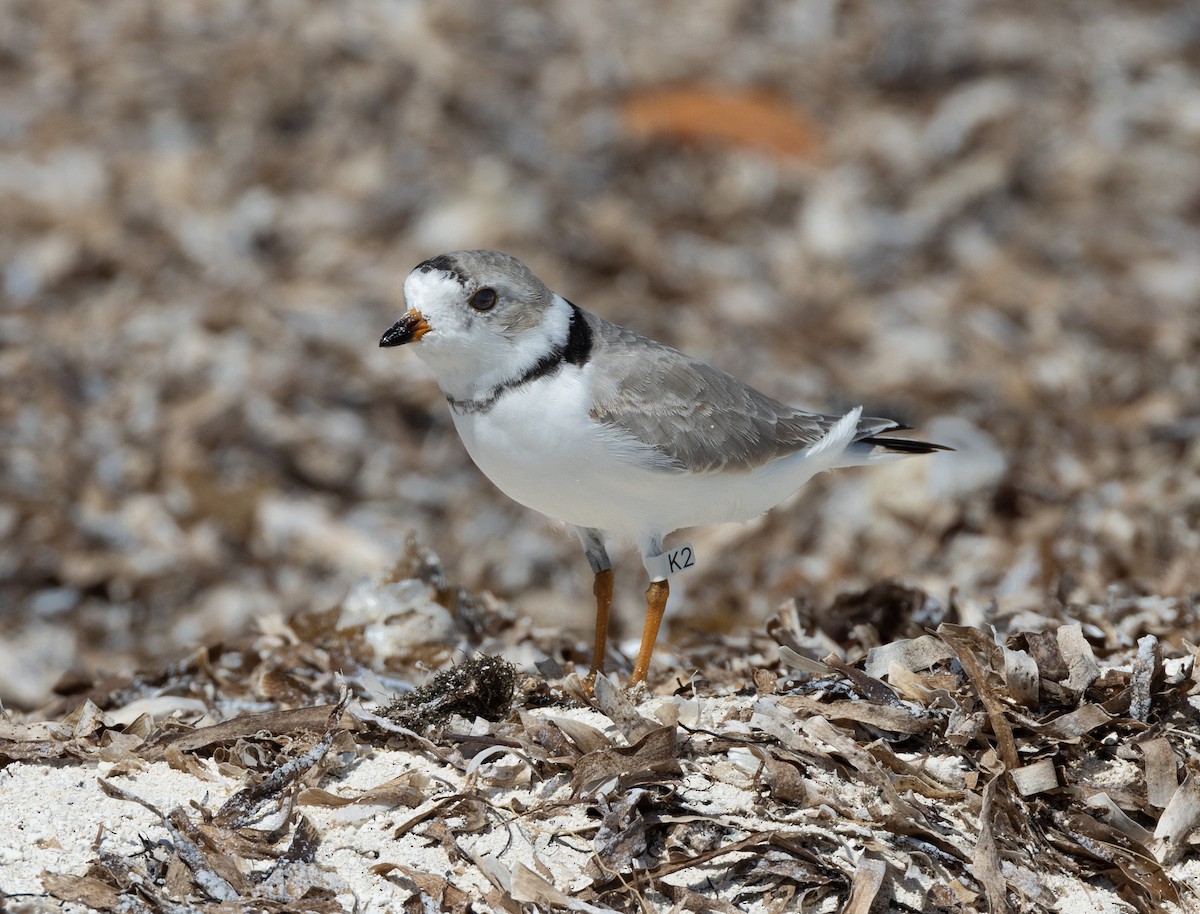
x=603, y=589
x=656, y=605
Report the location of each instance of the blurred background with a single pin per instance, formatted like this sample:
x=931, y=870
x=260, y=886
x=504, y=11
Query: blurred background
x=979, y=216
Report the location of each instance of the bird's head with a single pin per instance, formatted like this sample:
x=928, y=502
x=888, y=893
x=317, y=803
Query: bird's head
x=475, y=313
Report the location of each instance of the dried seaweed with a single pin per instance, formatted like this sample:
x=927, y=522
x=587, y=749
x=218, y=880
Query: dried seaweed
x=428, y=889
x=245, y=804
x=481, y=687
x=655, y=755
x=298, y=720
x=409, y=789
x=868, y=879
x=214, y=851
x=960, y=763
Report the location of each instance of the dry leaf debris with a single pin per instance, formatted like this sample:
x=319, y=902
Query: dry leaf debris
x=961, y=769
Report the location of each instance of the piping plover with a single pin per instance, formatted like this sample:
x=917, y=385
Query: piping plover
x=615, y=435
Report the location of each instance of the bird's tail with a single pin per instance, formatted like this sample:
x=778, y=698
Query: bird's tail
x=872, y=444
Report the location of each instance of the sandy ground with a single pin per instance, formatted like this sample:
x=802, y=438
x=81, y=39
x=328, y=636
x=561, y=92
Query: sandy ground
x=956, y=771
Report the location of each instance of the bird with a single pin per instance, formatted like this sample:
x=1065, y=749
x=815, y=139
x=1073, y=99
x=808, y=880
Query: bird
x=619, y=438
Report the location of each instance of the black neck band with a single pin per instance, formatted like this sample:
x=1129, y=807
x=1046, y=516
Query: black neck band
x=576, y=350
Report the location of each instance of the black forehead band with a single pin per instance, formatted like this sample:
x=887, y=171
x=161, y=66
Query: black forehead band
x=443, y=264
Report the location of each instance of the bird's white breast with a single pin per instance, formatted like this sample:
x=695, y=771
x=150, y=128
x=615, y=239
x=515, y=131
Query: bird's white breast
x=540, y=446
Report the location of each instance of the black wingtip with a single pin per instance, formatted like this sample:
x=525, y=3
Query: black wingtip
x=904, y=445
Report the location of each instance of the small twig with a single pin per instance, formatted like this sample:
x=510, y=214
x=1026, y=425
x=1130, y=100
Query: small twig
x=239, y=807
x=213, y=884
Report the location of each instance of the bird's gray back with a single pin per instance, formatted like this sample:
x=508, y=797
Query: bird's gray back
x=697, y=416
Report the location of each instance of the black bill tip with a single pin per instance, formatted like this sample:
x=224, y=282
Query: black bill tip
x=396, y=335
x=408, y=329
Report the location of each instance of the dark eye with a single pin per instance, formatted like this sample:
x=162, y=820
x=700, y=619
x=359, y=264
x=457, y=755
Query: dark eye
x=484, y=299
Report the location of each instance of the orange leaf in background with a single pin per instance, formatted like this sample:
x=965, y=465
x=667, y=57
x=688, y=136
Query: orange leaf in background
x=754, y=119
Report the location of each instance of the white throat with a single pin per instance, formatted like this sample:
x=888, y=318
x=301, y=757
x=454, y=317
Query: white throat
x=470, y=366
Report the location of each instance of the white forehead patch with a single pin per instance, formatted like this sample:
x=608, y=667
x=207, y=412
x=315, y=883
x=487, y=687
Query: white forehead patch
x=432, y=291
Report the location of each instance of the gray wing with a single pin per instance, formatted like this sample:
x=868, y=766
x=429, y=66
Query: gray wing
x=698, y=417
